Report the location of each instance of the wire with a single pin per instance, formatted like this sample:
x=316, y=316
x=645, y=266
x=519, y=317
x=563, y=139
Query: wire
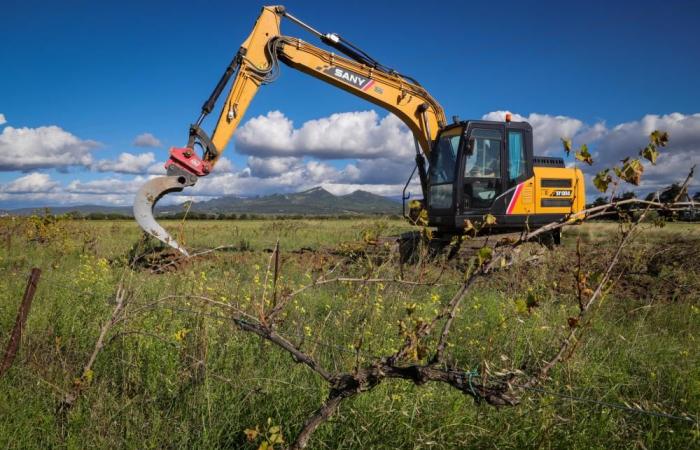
x=377, y=64
x=618, y=406
x=474, y=373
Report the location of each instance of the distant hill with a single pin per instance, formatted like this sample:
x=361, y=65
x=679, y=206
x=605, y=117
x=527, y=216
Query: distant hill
x=316, y=201
x=82, y=209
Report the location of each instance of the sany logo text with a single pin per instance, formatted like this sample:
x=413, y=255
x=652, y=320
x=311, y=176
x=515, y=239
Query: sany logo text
x=353, y=78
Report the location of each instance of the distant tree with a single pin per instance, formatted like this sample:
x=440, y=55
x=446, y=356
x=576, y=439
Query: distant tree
x=625, y=196
x=600, y=201
x=624, y=210
x=696, y=197
x=670, y=193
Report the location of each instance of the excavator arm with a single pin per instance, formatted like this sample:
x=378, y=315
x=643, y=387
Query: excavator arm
x=257, y=63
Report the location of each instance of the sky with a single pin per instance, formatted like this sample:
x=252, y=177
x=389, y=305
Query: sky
x=93, y=94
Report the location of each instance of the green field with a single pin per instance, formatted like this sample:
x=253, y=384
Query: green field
x=177, y=373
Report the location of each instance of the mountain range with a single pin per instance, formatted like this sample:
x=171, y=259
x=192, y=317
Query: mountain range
x=316, y=201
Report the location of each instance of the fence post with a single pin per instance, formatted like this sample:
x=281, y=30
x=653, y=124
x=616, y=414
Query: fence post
x=16, y=336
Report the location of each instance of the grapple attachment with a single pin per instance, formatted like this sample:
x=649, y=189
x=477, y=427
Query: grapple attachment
x=183, y=169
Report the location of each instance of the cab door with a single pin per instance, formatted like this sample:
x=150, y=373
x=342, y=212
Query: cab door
x=519, y=183
x=441, y=177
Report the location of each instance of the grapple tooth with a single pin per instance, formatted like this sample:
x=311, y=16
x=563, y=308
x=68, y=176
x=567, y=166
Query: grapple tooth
x=146, y=199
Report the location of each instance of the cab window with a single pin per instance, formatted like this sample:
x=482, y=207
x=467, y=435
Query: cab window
x=443, y=163
x=482, y=169
x=485, y=160
x=516, y=155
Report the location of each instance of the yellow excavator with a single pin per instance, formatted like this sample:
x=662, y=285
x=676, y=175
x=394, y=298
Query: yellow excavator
x=474, y=167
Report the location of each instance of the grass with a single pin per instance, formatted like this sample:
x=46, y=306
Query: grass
x=178, y=374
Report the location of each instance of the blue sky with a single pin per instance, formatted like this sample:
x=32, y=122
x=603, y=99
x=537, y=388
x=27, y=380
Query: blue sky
x=110, y=71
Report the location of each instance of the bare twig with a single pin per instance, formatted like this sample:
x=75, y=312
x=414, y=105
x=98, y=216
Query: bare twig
x=570, y=339
x=120, y=301
x=269, y=334
x=684, y=186
x=276, y=274
x=579, y=279
x=450, y=312
x=317, y=418
x=273, y=257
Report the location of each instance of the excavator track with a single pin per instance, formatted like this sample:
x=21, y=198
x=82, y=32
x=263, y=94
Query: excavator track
x=413, y=246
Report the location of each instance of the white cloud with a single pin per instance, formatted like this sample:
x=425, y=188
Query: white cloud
x=271, y=166
x=40, y=190
x=42, y=147
x=2, y=119
x=32, y=183
x=57, y=198
x=547, y=129
x=360, y=134
x=224, y=165
x=684, y=132
x=382, y=147
x=610, y=145
x=267, y=135
x=675, y=161
x=379, y=171
x=286, y=159
x=244, y=183
x=105, y=186
x=126, y=163
x=147, y=140
x=156, y=169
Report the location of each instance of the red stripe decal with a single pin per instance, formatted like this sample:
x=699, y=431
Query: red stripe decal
x=514, y=199
x=371, y=82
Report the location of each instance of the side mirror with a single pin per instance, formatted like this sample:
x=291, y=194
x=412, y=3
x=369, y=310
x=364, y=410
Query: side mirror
x=471, y=143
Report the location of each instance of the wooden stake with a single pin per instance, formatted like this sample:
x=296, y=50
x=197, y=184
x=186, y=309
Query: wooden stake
x=16, y=337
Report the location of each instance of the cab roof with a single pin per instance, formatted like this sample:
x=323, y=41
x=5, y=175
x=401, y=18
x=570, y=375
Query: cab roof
x=466, y=123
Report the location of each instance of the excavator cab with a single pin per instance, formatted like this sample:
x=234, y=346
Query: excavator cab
x=482, y=167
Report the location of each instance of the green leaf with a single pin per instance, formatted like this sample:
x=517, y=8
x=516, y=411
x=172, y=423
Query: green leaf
x=602, y=179
x=659, y=138
x=532, y=301
x=251, y=433
x=567, y=145
x=650, y=153
x=489, y=219
x=484, y=255
x=584, y=155
x=632, y=171
x=468, y=225
x=410, y=309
